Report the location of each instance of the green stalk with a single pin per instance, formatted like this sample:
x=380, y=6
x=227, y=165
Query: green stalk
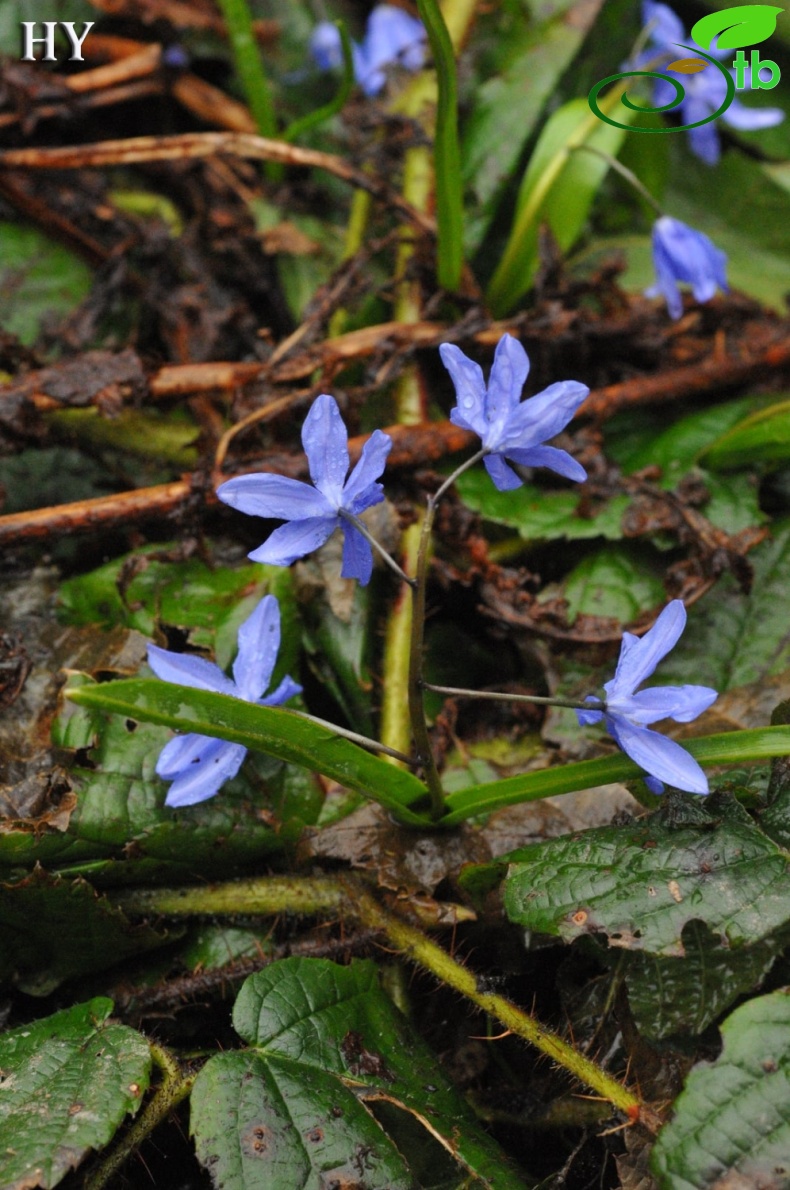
x=395, y=721
x=419, y=726
x=247, y=60
x=335, y=105
x=271, y=896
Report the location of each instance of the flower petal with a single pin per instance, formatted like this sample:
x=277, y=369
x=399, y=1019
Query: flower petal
x=287, y=688
x=638, y=658
x=704, y=143
x=179, y=753
x=505, y=384
x=666, y=27
x=551, y=457
x=542, y=416
x=259, y=641
x=325, y=442
x=392, y=37
x=658, y=755
x=274, y=496
x=503, y=476
x=592, y=716
x=357, y=555
x=187, y=670
x=681, y=703
x=325, y=46
x=470, y=389
x=205, y=775
x=749, y=119
x=362, y=491
x=293, y=541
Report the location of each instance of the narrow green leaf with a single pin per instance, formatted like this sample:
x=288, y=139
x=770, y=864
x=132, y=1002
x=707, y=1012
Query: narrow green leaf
x=68, y=1080
x=558, y=188
x=321, y=114
x=274, y=730
x=732, y=1122
x=327, y=1046
x=763, y=437
x=732, y=747
x=446, y=152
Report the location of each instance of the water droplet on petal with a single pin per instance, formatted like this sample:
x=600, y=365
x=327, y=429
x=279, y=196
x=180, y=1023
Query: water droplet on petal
x=467, y=402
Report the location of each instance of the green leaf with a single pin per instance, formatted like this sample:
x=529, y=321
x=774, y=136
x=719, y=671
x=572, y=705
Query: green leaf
x=639, y=885
x=40, y=280
x=538, y=514
x=558, y=188
x=273, y=730
x=746, y=24
x=297, y=1108
x=613, y=582
x=531, y=59
x=52, y=929
x=681, y=996
x=734, y=639
x=763, y=437
x=68, y=1080
x=731, y=1124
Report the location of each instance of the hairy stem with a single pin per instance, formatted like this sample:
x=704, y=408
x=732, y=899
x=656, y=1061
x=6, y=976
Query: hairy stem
x=503, y=696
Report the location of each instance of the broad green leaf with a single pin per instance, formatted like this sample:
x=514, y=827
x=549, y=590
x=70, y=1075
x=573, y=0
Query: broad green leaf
x=529, y=61
x=681, y=996
x=538, y=514
x=746, y=24
x=638, y=886
x=297, y=1107
x=733, y=639
x=559, y=186
x=273, y=730
x=762, y=437
x=40, y=280
x=52, y=929
x=732, y=1123
x=615, y=581
x=68, y=1080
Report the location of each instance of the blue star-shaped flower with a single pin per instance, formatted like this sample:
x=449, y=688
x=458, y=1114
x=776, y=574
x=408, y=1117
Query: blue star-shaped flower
x=507, y=426
x=682, y=254
x=196, y=764
x=314, y=513
x=627, y=713
x=704, y=92
x=392, y=38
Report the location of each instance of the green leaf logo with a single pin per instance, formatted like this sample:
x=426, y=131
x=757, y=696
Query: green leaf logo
x=748, y=24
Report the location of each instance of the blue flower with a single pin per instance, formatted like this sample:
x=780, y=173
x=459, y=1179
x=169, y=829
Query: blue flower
x=392, y=38
x=508, y=427
x=704, y=92
x=627, y=713
x=682, y=254
x=196, y=764
x=314, y=513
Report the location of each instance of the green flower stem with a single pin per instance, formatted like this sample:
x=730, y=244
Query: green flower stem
x=363, y=740
x=361, y=202
x=503, y=696
x=247, y=59
x=395, y=722
x=624, y=172
x=419, y=726
x=175, y=1087
x=270, y=896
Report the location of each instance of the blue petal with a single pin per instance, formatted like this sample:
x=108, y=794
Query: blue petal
x=681, y=703
x=506, y=382
x=658, y=756
x=705, y=143
x=362, y=491
x=470, y=389
x=503, y=476
x=748, y=119
x=667, y=28
x=325, y=46
x=187, y=670
x=325, y=442
x=287, y=688
x=274, y=496
x=204, y=777
x=654, y=785
x=293, y=541
x=392, y=38
x=638, y=658
x=587, y=717
x=259, y=641
x=542, y=416
x=357, y=555
x=549, y=456
x=179, y=753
